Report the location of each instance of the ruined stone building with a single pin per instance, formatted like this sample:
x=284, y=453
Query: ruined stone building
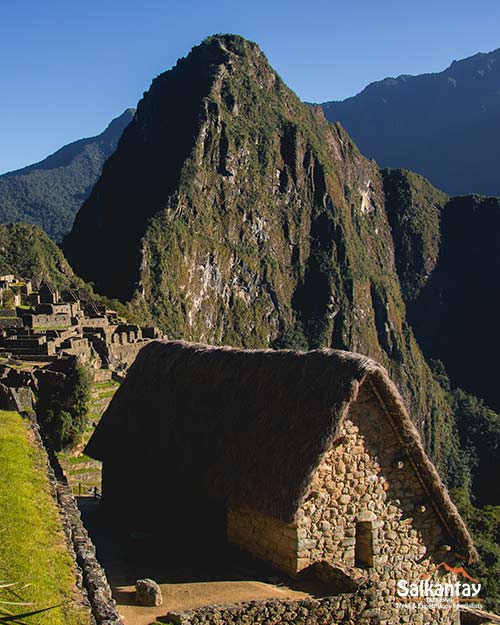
x=49, y=326
x=308, y=461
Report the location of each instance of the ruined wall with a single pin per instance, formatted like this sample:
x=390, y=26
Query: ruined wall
x=346, y=610
x=359, y=484
x=45, y=321
x=124, y=354
x=76, y=346
x=11, y=322
x=94, y=322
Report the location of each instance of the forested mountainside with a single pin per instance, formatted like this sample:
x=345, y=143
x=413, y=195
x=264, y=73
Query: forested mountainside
x=448, y=261
x=233, y=213
x=26, y=251
x=456, y=314
x=49, y=193
x=445, y=126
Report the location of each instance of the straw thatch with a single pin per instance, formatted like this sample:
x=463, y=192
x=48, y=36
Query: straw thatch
x=251, y=426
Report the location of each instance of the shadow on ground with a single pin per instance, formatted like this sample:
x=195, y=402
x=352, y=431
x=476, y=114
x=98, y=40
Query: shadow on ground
x=191, y=573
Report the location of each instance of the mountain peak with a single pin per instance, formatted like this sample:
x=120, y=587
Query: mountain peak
x=123, y=119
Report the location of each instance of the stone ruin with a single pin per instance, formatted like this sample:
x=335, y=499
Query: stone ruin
x=42, y=325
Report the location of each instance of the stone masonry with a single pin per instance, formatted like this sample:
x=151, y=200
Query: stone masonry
x=363, y=483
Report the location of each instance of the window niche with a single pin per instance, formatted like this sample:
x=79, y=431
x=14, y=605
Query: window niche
x=363, y=549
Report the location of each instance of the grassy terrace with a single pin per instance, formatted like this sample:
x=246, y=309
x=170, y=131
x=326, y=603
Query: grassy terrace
x=84, y=473
x=33, y=553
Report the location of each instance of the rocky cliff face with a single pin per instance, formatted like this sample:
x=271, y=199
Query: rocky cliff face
x=50, y=193
x=233, y=213
x=414, y=210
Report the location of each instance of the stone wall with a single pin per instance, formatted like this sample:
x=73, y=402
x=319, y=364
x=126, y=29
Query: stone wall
x=93, y=576
x=265, y=537
x=124, y=354
x=53, y=309
x=16, y=398
x=102, y=375
x=11, y=322
x=365, y=483
x=35, y=429
x=90, y=577
x=94, y=322
x=346, y=609
x=46, y=321
x=365, y=513
x=77, y=346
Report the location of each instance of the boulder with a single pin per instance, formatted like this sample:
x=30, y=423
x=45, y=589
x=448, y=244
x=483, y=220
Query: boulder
x=147, y=592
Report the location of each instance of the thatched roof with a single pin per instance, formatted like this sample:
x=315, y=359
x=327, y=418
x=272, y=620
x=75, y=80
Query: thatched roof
x=252, y=425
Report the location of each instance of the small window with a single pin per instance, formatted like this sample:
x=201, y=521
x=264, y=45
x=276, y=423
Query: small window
x=363, y=553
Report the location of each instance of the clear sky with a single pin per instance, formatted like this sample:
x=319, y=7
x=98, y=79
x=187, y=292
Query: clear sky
x=67, y=67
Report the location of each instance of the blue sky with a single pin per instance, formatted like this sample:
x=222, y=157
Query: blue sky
x=68, y=67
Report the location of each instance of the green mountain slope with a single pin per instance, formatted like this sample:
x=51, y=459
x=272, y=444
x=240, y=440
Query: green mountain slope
x=233, y=213
x=413, y=208
x=26, y=251
x=50, y=193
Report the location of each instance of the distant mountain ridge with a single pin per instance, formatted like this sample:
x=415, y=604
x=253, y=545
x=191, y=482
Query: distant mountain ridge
x=445, y=126
x=50, y=192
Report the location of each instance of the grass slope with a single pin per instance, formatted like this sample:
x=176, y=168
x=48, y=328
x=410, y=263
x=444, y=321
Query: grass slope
x=84, y=473
x=32, y=547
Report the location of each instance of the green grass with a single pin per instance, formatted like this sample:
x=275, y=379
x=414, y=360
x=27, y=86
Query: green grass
x=107, y=394
x=88, y=470
x=79, y=459
x=106, y=385
x=32, y=545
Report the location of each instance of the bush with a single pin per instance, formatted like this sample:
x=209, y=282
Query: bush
x=484, y=525
x=63, y=409
x=292, y=338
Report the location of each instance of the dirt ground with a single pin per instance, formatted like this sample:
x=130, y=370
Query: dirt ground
x=192, y=595
x=188, y=578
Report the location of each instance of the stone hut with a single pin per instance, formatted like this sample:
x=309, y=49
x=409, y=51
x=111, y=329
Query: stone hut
x=48, y=293
x=308, y=461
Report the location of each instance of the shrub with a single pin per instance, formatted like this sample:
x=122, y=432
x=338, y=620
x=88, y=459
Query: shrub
x=63, y=409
